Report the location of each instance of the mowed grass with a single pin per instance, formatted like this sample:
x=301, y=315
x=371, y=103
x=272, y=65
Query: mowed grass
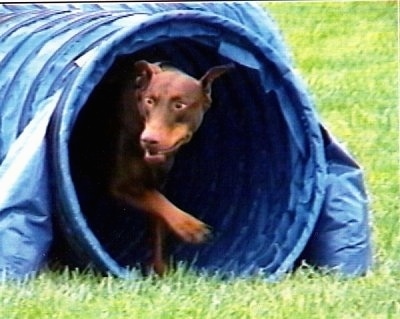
x=346, y=52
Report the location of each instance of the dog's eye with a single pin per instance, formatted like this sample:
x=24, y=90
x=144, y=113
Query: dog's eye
x=148, y=100
x=179, y=106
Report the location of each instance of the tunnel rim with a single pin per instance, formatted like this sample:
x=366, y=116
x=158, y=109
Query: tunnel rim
x=68, y=113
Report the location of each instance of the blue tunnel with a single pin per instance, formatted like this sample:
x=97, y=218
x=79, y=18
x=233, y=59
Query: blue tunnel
x=274, y=184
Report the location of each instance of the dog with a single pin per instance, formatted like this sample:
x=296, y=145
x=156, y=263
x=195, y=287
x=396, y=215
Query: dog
x=161, y=110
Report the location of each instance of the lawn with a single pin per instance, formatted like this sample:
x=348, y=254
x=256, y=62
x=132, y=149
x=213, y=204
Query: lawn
x=347, y=54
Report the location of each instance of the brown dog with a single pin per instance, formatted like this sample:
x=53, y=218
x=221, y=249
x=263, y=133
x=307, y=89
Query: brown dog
x=160, y=114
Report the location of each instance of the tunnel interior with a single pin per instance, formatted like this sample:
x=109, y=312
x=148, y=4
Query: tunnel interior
x=235, y=174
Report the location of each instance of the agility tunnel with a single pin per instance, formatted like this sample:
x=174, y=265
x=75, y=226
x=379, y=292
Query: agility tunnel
x=274, y=185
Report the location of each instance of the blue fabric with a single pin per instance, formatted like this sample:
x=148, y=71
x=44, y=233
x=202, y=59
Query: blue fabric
x=341, y=239
x=274, y=186
x=25, y=201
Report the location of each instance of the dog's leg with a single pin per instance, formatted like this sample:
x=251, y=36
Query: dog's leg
x=159, y=264
x=187, y=227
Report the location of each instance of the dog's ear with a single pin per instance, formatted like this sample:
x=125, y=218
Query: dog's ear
x=207, y=79
x=144, y=72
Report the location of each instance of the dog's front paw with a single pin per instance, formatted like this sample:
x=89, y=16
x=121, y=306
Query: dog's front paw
x=190, y=229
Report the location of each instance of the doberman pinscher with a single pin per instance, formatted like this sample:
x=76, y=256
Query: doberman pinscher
x=160, y=114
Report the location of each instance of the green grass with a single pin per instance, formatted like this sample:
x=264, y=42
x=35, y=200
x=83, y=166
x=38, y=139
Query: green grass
x=305, y=294
x=346, y=52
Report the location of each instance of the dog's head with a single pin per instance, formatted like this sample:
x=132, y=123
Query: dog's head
x=172, y=105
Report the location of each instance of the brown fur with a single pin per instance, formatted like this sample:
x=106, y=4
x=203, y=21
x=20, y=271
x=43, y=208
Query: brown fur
x=160, y=114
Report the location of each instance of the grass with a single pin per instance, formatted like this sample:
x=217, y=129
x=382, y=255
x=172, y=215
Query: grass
x=346, y=52
x=304, y=294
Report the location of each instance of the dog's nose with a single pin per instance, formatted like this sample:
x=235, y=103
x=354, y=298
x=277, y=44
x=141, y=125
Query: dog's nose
x=149, y=140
